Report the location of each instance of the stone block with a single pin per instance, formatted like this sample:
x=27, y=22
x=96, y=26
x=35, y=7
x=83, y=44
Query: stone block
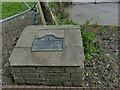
x=73, y=69
x=75, y=80
x=53, y=83
x=31, y=75
x=43, y=69
x=59, y=74
x=19, y=80
x=77, y=76
x=78, y=69
x=59, y=79
x=34, y=83
x=28, y=69
x=64, y=78
x=57, y=70
x=78, y=84
x=15, y=69
x=43, y=75
x=67, y=84
x=35, y=79
x=70, y=69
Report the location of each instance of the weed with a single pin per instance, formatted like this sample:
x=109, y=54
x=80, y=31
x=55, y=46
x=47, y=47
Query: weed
x=88, y=23
x=113, y=27
x=86, y=74
x=112, y=79
x=51, y=4
x=88, y=57
x=101, y=30
x=66, y=4
x=88, y=40
x=106, y=38
x=64, y=21
x=93, y=85
x=102, y=50
x=95, y=24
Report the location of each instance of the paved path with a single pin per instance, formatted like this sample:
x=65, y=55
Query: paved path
x=103, y=13
x=95, y=0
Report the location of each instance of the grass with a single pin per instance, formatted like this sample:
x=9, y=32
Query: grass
x=0, y=10
x=12, y=8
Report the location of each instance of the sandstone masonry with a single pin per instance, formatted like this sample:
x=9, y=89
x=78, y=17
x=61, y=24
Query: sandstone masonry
x=48, y=76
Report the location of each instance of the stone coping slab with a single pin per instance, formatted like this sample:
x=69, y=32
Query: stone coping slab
x=71, y=55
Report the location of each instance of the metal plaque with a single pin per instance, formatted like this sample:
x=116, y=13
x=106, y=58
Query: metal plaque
x=47, y=43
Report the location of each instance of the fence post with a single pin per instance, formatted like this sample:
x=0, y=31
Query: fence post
x=41, y=13
x=47, y=13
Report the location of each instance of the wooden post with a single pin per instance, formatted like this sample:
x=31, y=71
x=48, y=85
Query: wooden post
x=47, y=13
x=41, y=13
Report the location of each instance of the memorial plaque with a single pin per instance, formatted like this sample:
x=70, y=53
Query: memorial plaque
x=47, y=43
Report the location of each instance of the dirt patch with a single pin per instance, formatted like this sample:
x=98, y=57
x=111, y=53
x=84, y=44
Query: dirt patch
x=103, y=69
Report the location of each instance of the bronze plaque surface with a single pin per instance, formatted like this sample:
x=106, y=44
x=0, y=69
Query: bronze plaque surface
x=48, y=43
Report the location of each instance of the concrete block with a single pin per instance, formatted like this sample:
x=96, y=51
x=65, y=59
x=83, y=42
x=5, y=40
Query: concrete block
x=26, y=39
x=71, y=55
x=73, y=38
x=56, y=33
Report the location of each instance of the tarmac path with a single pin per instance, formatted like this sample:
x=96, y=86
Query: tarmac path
x=103, y=13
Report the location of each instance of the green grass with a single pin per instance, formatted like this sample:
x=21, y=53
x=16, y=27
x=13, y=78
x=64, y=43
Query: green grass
x=0, y=10
x=12, y=8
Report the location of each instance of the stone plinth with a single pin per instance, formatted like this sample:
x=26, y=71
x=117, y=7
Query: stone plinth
x=62, y=67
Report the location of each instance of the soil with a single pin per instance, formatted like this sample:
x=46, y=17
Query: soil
x=103, y=70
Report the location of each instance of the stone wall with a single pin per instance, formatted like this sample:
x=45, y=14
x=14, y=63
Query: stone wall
x=48, y=76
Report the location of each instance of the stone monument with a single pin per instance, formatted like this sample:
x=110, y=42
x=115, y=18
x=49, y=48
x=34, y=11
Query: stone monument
x=49, y=55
